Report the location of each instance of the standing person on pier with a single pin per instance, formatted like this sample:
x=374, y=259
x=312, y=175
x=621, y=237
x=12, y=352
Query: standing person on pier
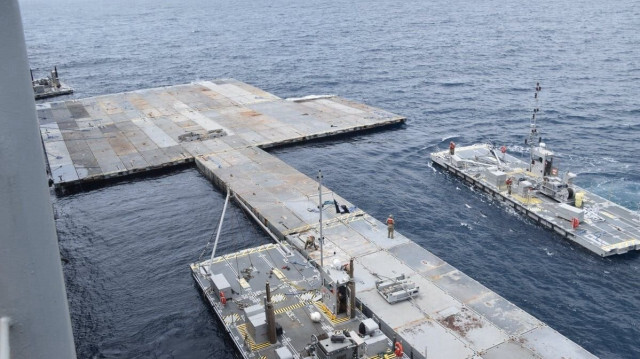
x=390, y=226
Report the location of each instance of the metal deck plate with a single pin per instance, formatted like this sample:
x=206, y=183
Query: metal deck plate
x=115, y=135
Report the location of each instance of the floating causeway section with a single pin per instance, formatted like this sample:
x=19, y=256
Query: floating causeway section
x=453, y=316
x=223, y=127
x=607, y=228
x=112, y=136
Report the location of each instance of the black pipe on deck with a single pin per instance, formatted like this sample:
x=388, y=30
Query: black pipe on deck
x=271, y=317
x=352, y=290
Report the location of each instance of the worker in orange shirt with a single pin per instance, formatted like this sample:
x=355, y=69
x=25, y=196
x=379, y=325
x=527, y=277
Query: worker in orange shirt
x=390, y=226
x=509, y=183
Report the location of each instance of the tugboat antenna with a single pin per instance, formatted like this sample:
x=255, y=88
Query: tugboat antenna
x=321, y=234
x=533, y=134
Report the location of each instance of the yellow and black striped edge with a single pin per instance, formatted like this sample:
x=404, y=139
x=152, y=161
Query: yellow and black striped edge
x=290, y=307
x=332, y=317
x=242, y=328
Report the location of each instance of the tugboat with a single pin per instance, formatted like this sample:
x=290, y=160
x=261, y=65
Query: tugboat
x=537, y=189
x=49, y=86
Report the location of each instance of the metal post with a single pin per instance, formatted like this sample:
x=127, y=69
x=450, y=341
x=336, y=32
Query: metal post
x=32, y=286
x=271, y=317
x=224, y=210
x=352, y=291
x=533, y=132
x=321, y=235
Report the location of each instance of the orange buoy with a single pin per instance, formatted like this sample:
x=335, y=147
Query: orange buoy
x=503, y=149
x=575, y=223
x=398, y=350
x=223, y=299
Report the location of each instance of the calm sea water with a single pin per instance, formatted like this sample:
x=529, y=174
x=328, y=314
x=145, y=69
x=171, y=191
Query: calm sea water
x=461, y=71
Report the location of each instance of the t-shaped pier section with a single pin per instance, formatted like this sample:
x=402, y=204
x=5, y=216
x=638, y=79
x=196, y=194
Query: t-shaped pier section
x=112, y=136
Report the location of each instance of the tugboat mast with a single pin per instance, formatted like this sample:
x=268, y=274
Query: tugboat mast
x=533, y=134
x=321, y=234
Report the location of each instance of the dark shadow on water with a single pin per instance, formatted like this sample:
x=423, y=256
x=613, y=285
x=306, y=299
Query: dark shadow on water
x=98, y=183
x=333, y=139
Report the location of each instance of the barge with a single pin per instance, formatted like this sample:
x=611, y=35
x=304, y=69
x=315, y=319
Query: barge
x=275, y=302
x=49, y=86
x=536, y=189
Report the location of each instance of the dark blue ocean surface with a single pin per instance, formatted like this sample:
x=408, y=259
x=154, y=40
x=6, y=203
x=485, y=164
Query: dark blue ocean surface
x=461, y=70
